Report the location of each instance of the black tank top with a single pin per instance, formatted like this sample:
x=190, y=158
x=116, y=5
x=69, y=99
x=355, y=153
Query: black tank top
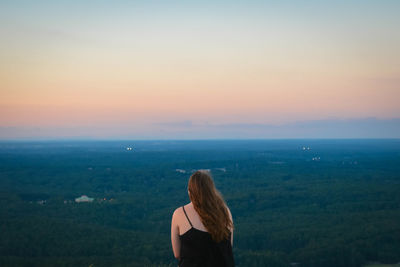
x=198, y=249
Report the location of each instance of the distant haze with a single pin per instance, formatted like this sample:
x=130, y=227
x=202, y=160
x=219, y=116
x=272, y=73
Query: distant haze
x=353, y=128
x=199, y=69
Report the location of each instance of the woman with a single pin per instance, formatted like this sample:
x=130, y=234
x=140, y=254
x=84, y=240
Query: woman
x=202, y=231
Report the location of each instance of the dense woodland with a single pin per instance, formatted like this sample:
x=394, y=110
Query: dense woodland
x=294, y=202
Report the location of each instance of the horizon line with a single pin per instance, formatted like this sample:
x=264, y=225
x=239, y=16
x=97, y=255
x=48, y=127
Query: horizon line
x=194, y=139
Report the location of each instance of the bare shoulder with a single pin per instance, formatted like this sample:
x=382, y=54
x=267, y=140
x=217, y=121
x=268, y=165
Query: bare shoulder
x=177, y=212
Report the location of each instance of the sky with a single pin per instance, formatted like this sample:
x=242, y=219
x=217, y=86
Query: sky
x=199, y=69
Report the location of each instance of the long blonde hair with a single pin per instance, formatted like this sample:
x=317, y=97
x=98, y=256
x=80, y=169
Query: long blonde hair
x=210, y=205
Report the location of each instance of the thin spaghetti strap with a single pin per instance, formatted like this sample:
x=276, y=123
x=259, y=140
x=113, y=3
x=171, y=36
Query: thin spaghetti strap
x=187, y=216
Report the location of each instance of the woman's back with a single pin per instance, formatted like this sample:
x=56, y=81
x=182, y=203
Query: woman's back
x=202, y=231
x=197, y=246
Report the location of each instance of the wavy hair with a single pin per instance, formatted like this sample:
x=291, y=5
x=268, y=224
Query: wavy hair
x=210, y=205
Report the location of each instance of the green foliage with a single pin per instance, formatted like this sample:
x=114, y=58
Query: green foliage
x=288, y=210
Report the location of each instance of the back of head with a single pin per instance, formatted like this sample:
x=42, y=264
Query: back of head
x=210, y=205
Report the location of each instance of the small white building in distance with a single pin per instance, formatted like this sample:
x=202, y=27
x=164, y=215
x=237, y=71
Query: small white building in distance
x=83, y=198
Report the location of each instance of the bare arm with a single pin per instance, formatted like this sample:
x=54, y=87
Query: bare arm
x=175, y=241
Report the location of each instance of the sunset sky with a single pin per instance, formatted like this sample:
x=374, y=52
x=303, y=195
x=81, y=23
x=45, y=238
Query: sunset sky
x=199, y=69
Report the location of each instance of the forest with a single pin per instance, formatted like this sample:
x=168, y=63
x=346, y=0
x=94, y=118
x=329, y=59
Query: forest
x=311, y=203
